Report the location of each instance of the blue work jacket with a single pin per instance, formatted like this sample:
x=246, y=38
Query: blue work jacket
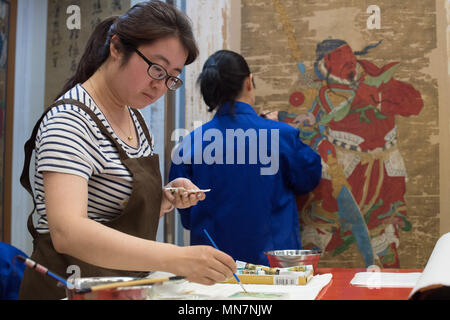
x=254, y=167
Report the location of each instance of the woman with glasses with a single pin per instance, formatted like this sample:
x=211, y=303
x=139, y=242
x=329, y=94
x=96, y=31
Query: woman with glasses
x=251, y=208
x=97, y=189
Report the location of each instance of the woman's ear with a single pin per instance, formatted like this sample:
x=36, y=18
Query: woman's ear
x=252, y=89
x=114, y=47
x=249, y=83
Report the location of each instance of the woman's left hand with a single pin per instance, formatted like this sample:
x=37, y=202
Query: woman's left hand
x=180, y=200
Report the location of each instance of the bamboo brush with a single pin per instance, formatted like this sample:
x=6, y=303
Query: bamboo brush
x=140, y=282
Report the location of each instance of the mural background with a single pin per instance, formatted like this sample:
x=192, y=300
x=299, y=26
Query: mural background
x=276, y=37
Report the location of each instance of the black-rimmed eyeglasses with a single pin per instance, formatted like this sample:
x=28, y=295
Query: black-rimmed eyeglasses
x=157, y=72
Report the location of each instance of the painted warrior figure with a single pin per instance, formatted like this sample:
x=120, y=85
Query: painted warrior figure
x=360, y=200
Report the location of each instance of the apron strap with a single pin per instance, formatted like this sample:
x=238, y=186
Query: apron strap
x=144, y=128
x=31, y=144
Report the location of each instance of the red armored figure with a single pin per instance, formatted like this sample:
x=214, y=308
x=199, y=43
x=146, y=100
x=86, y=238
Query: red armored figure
x=360, y=200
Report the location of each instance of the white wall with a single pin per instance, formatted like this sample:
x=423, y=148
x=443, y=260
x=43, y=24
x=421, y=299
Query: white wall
x=28, y=106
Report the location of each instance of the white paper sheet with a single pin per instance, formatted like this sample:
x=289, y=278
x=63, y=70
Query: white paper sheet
x=436, y=272
x=386, y=279
x=222, y=291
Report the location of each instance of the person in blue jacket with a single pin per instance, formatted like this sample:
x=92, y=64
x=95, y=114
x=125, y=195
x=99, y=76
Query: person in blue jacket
x=254, y=167
x=11, y=271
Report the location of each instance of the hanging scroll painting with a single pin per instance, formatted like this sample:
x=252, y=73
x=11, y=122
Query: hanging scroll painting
x=354, y=79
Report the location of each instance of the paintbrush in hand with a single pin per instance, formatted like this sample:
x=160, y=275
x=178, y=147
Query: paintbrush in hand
x=215, y=246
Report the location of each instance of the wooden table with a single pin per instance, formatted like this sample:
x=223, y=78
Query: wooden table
x=340, y=288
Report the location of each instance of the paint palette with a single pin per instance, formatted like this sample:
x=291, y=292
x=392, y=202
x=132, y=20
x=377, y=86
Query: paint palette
x=189, y=191
x=255, y=274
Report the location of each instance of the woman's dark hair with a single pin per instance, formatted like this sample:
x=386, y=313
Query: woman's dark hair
x=222, y=78
x=142, y=24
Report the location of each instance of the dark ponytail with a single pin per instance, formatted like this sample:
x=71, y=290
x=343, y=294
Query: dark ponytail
x=222, y=78
x=142, y=24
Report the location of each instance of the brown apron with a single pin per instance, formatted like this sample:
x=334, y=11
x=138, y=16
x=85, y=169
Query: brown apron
x=139, y=218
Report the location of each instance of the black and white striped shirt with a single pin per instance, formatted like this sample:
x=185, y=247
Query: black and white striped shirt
x=69, y=141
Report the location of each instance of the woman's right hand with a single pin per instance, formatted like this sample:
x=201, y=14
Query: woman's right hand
x=203, y=264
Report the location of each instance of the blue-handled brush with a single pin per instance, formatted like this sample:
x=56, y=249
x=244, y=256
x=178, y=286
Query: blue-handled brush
x=41, y=269
x=215, y=246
